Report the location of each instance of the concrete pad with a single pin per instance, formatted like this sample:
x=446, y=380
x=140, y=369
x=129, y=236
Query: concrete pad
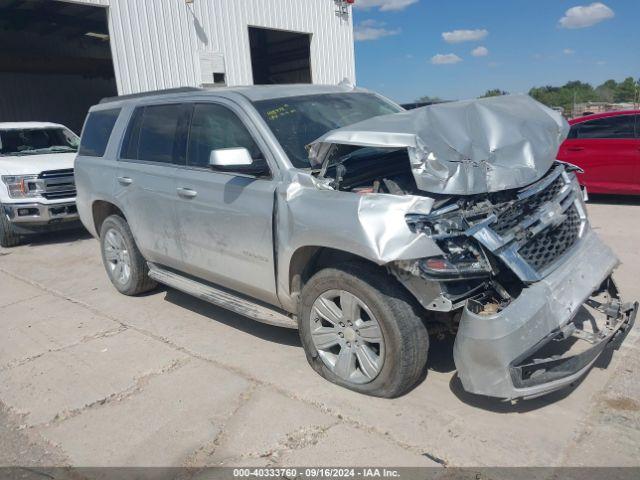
x=171, y=417
x=58, y=383
x=344, y=445
x=14, y=291
x=263, y=426
x=33, y=327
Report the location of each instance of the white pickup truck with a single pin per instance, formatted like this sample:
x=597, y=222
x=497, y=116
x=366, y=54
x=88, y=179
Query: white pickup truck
x=37, y=191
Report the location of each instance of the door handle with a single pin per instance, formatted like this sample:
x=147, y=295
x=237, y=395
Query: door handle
x=125, y=181
x=186, y=192
x=575, y=149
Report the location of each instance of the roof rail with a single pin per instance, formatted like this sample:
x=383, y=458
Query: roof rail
x=150, y=93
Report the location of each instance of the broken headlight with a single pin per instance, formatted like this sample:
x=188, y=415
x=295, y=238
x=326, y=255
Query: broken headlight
x=462, y=259
x=462, y=256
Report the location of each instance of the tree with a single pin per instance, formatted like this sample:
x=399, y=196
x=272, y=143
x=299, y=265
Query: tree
x=496, y=92
x=428, y=99
x=626, y=91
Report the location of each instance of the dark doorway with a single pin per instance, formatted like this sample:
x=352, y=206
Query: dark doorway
x=55, y=61
x=280, y=57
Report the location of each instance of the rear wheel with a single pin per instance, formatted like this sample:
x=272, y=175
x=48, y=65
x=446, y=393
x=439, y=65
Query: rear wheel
x=361, y=330
x=8, y=236
x=125, y=265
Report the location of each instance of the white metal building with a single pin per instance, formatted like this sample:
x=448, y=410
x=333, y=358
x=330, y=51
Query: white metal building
x=58, y=57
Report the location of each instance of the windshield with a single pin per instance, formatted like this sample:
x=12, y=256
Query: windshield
x=298, y=121
x=34, y=141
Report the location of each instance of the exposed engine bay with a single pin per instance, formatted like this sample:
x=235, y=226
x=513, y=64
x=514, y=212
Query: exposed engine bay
x=493, y=244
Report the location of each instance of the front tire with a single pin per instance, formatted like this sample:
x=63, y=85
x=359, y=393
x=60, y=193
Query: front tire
x=126, y=267
x=360, y=329
x=8, y=236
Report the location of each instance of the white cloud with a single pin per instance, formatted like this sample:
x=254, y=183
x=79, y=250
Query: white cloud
x=568, y=51
x=480, y=52
x=372, y=30
x=584, y=16
x=445, y=59
x=458, y=36
x=384, y=5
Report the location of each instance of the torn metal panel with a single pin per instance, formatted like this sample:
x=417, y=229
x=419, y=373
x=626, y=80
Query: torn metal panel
x=463, y=148
x=371, y=226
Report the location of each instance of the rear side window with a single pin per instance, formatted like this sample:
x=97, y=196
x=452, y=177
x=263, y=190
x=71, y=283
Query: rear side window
x=96, y=133
x=154, y=132
x=610, y=127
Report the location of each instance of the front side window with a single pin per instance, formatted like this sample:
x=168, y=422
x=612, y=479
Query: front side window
x=153, y=132
x=618, y=127
x=37, y=141
x=97, y=131
x=215, y=127
x=298, y=121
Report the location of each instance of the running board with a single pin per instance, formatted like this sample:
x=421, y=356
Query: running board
x=221, y=298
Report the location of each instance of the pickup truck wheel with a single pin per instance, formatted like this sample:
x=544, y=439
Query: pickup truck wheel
x=361, y=330
x=8, y=236
x=125, y=265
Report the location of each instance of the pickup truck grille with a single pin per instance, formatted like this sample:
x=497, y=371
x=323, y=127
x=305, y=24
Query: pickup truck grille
x=58, y=184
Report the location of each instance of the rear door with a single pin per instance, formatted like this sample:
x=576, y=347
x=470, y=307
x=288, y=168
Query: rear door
x=153, y=147
x=225, y=219
x=607, y=150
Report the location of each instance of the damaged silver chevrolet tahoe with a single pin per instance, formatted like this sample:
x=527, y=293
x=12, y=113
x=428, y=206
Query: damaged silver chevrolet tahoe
x=332, y=210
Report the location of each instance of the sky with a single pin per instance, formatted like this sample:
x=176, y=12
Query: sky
x=456, y=49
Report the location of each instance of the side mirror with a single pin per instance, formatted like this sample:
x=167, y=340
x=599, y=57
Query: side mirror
x=226, y=158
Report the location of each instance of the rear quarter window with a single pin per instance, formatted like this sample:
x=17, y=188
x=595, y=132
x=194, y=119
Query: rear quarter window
x=96, y=133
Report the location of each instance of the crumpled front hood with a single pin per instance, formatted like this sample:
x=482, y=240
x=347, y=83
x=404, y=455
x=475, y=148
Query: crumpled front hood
x=35, y=164
x=463, y=148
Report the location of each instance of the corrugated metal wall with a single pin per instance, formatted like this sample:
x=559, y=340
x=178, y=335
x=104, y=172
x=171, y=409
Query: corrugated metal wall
x=155, y=43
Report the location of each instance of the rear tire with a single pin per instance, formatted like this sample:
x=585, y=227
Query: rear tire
x=8, y=236
x=384, y=362
x=126, y=267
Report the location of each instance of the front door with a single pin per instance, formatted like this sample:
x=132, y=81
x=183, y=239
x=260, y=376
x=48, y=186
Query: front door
x=225, y=218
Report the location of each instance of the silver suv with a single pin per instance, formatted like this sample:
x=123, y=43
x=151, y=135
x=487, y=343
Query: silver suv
x=334, y=211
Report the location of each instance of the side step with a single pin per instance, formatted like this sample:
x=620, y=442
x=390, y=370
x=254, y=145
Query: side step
x=221, y=298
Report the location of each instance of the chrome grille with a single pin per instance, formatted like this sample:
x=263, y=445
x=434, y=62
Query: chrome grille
x=543, y=249
x=517, y=212
x=537, y=227
x=58, y=184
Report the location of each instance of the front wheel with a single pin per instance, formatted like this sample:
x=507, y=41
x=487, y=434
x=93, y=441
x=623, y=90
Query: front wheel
x=362, y=330
x=8, y=236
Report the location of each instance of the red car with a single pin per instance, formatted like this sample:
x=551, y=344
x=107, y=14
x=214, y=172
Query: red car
x=607, y=147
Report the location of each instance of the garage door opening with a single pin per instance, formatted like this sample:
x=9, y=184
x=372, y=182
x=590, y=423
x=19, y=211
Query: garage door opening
x=55, y=61
x=278, y=56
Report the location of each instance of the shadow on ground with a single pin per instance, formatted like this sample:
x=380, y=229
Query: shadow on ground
x=601, y=199
x=56, y=237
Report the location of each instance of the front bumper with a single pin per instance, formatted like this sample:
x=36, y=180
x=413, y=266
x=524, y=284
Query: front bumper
x=37, y=216
x=503, y=354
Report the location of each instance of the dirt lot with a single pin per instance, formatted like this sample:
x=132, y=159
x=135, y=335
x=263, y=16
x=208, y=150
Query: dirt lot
x=89, y=377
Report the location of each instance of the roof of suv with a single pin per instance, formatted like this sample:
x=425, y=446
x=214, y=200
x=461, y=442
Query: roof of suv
x=251, y=92
x=28, y=125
